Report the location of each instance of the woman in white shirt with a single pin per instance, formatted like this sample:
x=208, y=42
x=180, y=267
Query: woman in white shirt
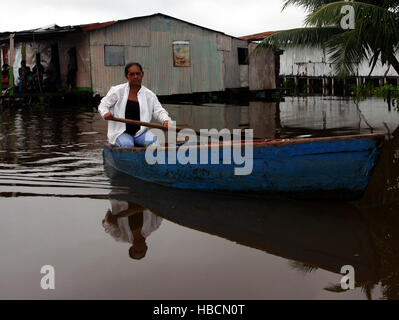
x=133, y=101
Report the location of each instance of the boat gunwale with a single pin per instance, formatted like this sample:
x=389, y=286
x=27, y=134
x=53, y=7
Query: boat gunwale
x=258, y=144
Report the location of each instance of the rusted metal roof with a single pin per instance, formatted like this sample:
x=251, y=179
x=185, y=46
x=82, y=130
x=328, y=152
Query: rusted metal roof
x=96, y=26
x=260, y=36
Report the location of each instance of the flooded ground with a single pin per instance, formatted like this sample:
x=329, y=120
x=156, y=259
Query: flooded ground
x=55, y=200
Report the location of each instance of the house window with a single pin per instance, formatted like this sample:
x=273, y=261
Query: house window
x=181, y=54
x=114, y=55
x=242, y=56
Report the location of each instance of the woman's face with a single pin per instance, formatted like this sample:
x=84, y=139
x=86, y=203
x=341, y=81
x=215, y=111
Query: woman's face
x=135, y=76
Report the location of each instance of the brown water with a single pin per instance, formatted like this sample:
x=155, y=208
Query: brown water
x=54, y=196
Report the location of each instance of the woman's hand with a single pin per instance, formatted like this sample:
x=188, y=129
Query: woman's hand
x=166, y=123
x=108, y=116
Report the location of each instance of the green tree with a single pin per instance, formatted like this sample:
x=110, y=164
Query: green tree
x=374, y=37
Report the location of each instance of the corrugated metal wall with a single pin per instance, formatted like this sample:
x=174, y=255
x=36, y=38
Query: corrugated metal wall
x=313, y=62
x=149, y=41
x=262, y=70
x=232, y=72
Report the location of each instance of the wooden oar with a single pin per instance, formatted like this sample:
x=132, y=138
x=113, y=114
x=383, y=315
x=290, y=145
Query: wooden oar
x=157, y=126
x=146, y=124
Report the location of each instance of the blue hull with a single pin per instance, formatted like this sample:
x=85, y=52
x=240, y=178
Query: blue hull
x=317, y=165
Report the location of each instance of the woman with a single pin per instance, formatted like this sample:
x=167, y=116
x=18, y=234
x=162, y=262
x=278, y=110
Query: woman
x=132, y=101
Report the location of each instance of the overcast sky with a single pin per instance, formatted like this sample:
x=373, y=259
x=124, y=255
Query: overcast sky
x=233, y=17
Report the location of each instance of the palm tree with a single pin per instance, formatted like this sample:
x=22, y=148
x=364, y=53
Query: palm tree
x=374, y=37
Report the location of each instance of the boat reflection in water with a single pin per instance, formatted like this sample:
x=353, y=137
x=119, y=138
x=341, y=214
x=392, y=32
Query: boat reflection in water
x=313, y=234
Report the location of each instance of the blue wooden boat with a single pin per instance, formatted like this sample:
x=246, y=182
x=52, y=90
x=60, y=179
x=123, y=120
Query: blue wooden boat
x=315, y=167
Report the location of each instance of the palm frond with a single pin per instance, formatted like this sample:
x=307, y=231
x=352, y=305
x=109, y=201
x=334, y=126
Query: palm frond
x=376, y=29
x=308, y=5
x=370, y=15
x=375, y=37
x=301, y=37
x=346, y=52
x=393, y=5
x=374, y=60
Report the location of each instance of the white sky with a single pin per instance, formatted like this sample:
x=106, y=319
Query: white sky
x=233, y=17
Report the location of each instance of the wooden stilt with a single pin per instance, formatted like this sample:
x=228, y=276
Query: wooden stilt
x=11, y=61
x=333, y=86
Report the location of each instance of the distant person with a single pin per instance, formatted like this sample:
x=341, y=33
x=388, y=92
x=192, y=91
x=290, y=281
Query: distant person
x=23, y=72
x=5, y=73
x=51, y=77
x=132, y=223
x=30, y=81
x=72, y=69
x=133, y=101
x=38, y=72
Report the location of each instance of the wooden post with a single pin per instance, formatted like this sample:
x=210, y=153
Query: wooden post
x=357, y=81
x=1, y=72
x=308, y=85
x=296, y=84
x=344, y=87
x=11, y=61
x=332, y=86
x=324, y=86
x=381, y=82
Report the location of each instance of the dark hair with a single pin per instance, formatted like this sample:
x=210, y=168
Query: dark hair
x=131, y=64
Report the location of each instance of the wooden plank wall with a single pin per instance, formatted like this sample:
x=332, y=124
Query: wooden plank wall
x=149, y=41
x=261, y=70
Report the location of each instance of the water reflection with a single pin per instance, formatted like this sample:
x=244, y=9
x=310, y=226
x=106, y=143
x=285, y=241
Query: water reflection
x=323, y=235
x=43, y=150
x=132, y=223
x=54, y=156
x=311, y=235
x=296, y=116
x=264, y=119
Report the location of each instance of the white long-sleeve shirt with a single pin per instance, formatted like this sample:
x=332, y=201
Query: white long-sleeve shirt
x=115, y=101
